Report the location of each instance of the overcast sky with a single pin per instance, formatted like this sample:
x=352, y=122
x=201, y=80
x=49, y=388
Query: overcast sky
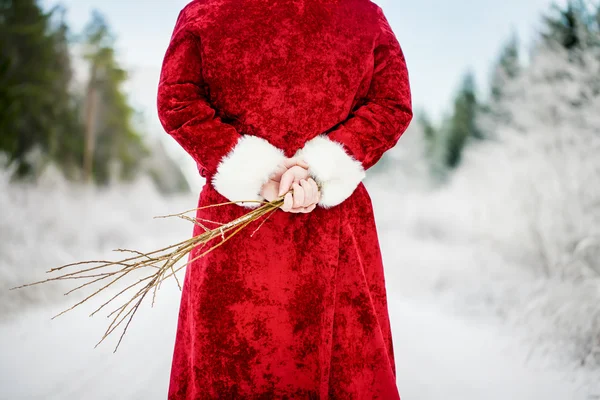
x=441, y=40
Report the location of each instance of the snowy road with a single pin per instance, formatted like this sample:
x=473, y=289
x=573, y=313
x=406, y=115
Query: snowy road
x=440, y=357
x=437, y=356
x=432, y=265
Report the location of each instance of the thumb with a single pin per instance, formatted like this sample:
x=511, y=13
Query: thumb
x=302, y=164
x=290, y=162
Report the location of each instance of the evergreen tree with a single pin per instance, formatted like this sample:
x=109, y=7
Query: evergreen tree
x=434, y=145
x=462, y=125
x=506, y=68
x=67, y=143
x=505, y=71
x=573, y=27
x=552, y=147
x=114, y=149
x=428, y=129
x=35, y=107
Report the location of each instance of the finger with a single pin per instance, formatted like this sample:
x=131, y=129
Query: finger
x=313, y=183
x=298, y=195
x=308, y=192
x=288, y=202
x=301, y=173
x=295, y=210
x=269, y=190
x=302, y=164
x=315, y=190
x=308, y=209
x=289, y=163
x=268, y=195
x=286, y=182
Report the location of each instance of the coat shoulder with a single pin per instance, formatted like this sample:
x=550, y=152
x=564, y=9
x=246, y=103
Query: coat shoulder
x=373, y=9
x=193, y=13
x=195, y=9
x=365, y=12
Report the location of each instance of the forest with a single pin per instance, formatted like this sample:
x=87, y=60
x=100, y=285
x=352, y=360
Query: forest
x=489, y=219
x=88, y=130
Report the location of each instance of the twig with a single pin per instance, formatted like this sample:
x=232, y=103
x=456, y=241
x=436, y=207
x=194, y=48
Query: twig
x=162, y=262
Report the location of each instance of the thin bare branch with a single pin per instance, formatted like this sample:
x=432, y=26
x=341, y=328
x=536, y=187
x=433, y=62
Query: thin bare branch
x=163, y=262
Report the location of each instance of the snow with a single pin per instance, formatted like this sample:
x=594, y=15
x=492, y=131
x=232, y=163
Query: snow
x=453, y=296
x=55, y=223
x=437, y=356
x=442, y=357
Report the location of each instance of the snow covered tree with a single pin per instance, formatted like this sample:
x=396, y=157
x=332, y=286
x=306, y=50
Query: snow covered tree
x=574, y=26
x=550, y=150
x=506, y=68
x=433, y=146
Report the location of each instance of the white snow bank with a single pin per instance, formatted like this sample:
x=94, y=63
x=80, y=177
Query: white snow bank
x=55, y=223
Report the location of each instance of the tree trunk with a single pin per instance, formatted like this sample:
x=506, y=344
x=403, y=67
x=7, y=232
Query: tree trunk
x=90, y=126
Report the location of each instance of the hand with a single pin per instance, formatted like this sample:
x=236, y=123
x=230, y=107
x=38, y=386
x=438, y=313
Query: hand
x=270, y=190
x=292, y=175
x=305, y=192
x=304, y=197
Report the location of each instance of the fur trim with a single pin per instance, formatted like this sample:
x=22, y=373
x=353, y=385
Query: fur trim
x=246, y=168
x=337, y=172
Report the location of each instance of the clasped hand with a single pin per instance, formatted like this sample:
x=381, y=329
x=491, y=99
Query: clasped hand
x=292, y=179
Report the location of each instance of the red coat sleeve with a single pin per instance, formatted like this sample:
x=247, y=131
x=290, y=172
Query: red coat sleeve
x=186, y=114
x=340, y=157
x=183, y=107
x=376, y=126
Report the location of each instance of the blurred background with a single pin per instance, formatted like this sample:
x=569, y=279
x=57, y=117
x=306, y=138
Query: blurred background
x=488, y=208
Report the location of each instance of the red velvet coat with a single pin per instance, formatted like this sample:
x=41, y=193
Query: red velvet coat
x=297, y=311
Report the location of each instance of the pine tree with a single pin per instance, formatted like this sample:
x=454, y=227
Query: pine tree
x=506, y=68
x=573, y=27
x=66, y=146
x=113, y=148
x=552, y=141
x=463, y=123
x=35, y=106
x=434, y=145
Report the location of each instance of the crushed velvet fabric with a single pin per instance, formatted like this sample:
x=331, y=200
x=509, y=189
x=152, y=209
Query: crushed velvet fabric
x=298, y=310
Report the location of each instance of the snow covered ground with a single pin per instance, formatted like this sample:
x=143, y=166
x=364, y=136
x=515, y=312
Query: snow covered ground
x=452, y=303
x=438, y=357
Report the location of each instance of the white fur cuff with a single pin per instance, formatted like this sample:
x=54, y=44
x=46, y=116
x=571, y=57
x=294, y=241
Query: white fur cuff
x=337, y=172
x=248, y=166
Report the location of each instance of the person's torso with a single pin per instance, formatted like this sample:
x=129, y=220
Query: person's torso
x=285, y=70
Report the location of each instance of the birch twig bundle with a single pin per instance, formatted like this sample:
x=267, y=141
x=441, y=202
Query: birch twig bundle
x=160, y=264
